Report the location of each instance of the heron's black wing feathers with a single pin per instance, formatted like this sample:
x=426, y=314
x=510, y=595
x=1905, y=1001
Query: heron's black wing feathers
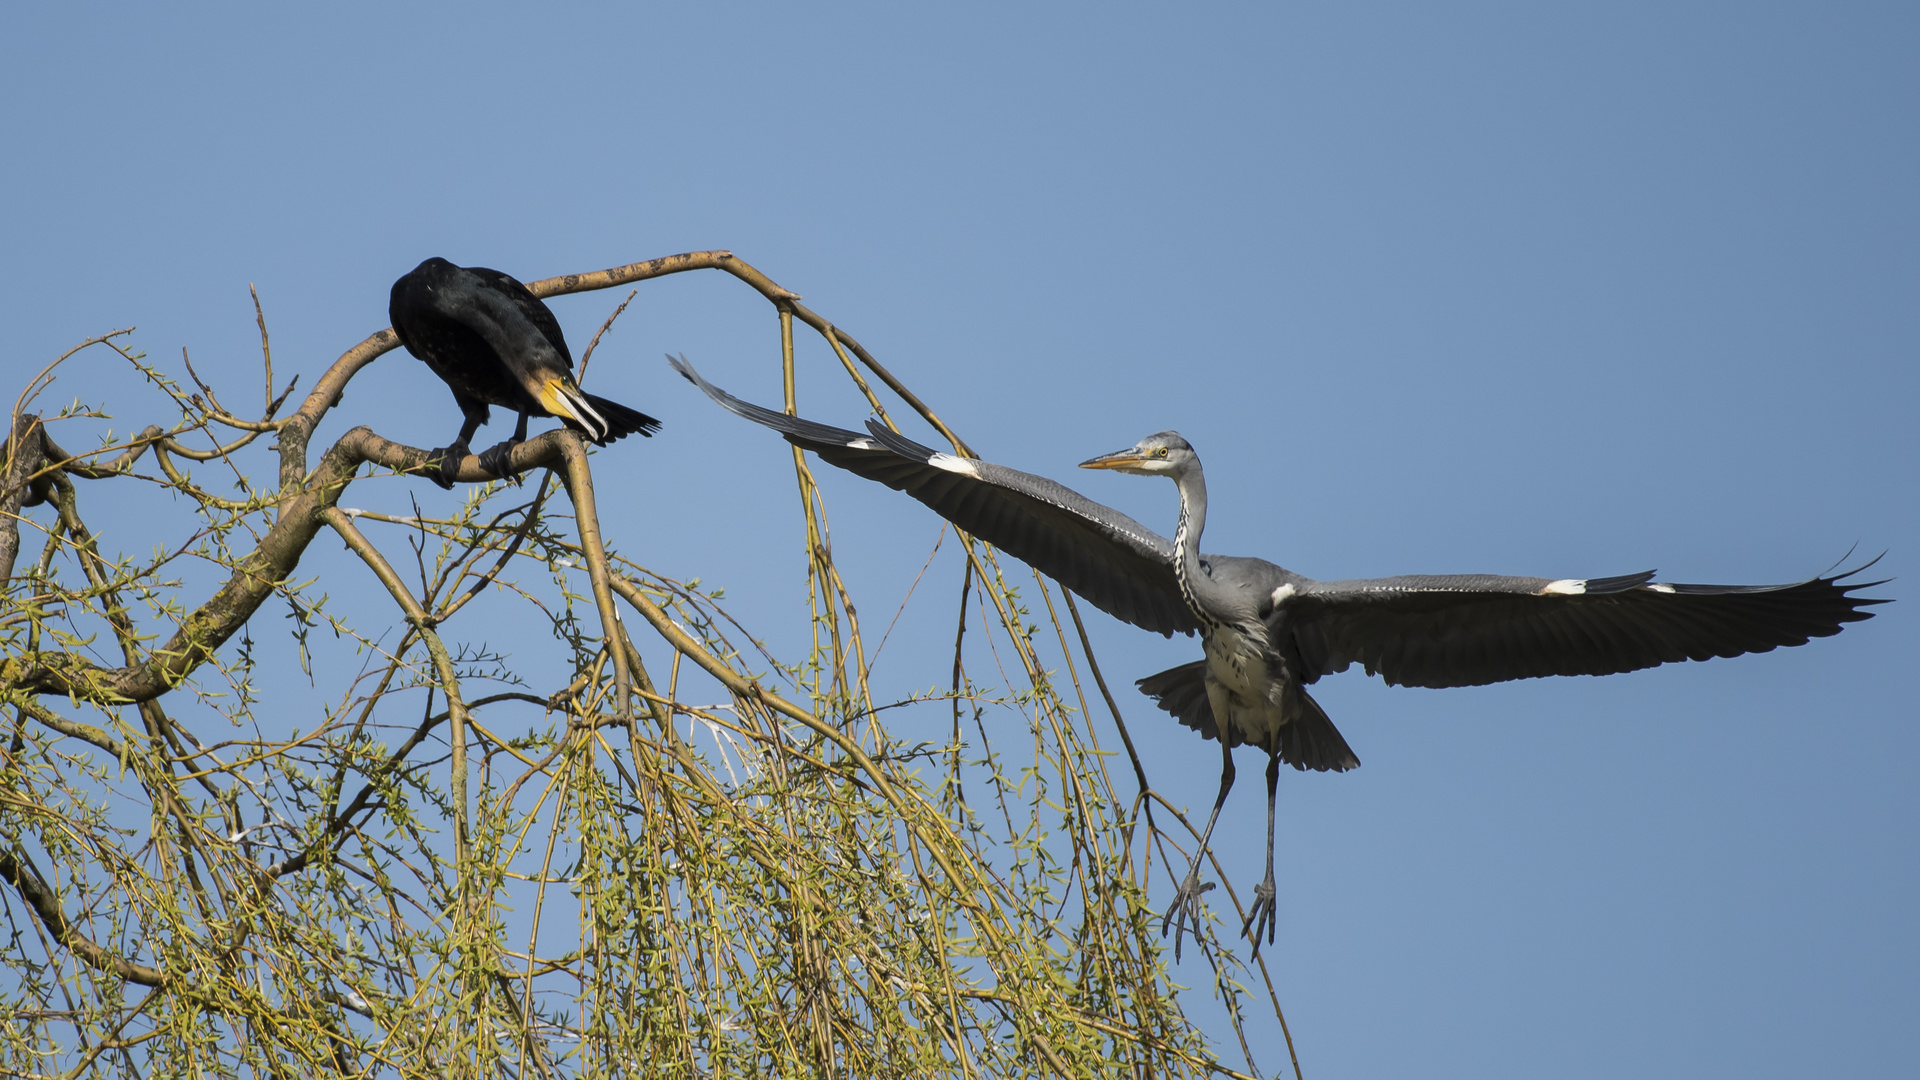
x=1469, y=630
x=1119, y=565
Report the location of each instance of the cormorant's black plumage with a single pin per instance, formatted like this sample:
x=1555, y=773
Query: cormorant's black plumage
x=495, y=343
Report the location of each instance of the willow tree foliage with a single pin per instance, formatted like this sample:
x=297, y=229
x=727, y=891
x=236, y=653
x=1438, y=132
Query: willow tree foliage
x=453, y=865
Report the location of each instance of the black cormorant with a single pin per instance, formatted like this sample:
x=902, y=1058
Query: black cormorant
x=494, y=343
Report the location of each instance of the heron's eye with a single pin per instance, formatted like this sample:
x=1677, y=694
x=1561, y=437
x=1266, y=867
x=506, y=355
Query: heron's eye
x=1161, y=452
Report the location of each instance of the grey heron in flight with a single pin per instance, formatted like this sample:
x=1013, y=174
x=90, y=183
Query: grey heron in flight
x=1268, y=632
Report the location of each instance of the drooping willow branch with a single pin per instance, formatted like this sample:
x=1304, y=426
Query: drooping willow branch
x=305, y=496
x=208, y=627
x=836, y=817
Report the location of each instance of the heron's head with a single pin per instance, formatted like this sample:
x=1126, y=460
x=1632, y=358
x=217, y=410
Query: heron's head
x=1162, y=454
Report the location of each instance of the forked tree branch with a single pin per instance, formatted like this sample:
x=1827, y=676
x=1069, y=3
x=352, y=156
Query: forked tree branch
x=255, y=578
x=785, y=863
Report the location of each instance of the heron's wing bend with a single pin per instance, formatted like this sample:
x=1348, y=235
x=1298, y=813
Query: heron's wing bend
x=1469, y=630
x=1120, y=566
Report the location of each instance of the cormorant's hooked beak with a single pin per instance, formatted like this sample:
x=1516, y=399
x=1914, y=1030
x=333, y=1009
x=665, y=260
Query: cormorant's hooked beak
x=563, y=399
x=1127, y=460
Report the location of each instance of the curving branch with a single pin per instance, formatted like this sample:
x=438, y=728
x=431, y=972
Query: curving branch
x=761, y=283
x=254, y=579
x=18, y=873
x=860, y=897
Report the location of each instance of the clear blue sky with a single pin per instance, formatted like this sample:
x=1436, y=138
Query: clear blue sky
x=1567, y=290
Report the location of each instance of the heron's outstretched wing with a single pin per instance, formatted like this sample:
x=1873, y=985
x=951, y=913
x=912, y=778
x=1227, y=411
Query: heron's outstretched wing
x=1469, y=630
x=1120, y=566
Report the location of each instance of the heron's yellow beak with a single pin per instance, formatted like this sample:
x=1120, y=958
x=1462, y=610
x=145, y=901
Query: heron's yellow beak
x=1119, y=459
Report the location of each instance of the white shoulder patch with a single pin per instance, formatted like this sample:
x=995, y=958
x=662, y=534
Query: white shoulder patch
x=863, y=443
x=1660, y=587
x=1284, y=593
x=954, y=465
x=1564, y=587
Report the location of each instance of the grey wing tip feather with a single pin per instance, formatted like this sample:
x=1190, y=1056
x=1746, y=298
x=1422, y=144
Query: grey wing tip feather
x=805, y=433
x=1831, y=595
x=724, y=399
x=1836, y=582
x=1823, y=584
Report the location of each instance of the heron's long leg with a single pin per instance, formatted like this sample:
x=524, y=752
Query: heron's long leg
x=1185, y=908
x=1261, y=914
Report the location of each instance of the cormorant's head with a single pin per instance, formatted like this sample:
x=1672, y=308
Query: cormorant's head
x=1161, y=454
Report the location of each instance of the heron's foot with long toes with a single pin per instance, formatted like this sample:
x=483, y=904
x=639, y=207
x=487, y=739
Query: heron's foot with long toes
x=494, y=459
x=1184, y=912
x=443, y=465
x=1260, y=916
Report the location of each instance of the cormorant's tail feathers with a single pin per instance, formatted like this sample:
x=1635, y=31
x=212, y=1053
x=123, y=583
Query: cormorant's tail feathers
x=599, y=419
x=620, y=420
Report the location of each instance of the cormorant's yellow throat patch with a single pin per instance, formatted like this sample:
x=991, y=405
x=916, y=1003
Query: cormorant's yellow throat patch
x=565, y=400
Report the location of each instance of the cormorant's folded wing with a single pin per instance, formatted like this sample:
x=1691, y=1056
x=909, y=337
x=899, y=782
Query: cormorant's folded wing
x=465, y=313
x=529, y=306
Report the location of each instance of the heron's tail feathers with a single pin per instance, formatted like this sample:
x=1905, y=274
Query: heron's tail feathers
x=1182, y=691
x=1309, y=741
x=595, y=417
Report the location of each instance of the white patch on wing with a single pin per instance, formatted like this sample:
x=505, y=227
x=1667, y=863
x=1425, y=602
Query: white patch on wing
x=863, y=443
x=1658, y=587
x=1284, y=593
x=954, y=465
x=1564, y=587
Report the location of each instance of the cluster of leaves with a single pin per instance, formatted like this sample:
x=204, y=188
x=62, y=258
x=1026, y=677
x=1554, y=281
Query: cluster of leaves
x=466, y=868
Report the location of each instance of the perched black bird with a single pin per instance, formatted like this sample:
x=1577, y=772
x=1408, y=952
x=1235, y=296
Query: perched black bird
x=494, y=343
x=1268, y=632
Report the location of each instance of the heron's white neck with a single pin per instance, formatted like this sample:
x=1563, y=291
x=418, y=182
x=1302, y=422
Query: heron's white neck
x=1197, y=588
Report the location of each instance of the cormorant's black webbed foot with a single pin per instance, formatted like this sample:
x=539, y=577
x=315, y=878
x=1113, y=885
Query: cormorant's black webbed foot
x=443, y=464
x=1260, y=916
x=1184, y=912
x=494, y=458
